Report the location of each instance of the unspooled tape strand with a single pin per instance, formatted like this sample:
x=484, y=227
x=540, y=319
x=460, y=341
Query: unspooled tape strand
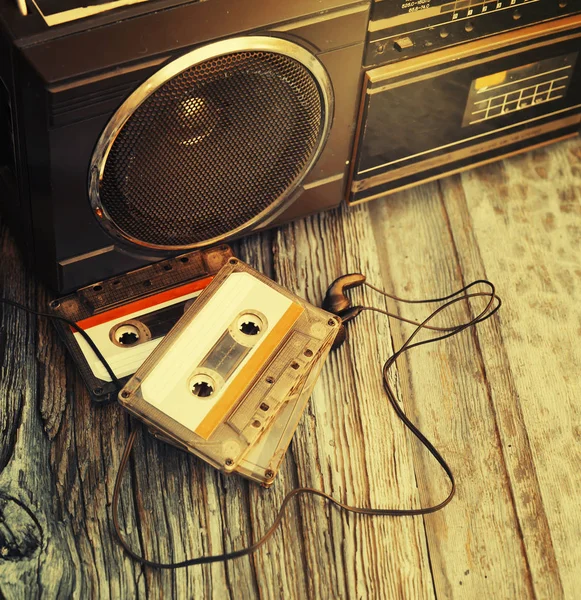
x=492, y=306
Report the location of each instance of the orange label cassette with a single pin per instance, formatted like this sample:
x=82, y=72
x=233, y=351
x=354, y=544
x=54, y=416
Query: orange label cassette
x=230, y=382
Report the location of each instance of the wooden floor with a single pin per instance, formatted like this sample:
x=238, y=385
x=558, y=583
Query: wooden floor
x=502, y=403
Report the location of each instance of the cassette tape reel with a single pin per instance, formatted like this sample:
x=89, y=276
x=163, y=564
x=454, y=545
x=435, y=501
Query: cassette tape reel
x=230, y=382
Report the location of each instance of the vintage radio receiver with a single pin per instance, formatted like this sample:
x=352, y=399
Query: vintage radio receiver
x=133, y=131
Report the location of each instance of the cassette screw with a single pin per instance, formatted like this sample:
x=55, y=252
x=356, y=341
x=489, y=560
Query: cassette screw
x=270, y=380
x=228, y=462
x=269, y=474
x=125, y=394
x=332, y=322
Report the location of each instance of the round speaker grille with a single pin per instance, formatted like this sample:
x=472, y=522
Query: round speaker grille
x=212, y=149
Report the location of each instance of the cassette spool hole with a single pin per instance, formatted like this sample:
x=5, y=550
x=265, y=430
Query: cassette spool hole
x=250, y=324
x=249, y=328
x=202, y=389
x=202, y=386
x=127, y=335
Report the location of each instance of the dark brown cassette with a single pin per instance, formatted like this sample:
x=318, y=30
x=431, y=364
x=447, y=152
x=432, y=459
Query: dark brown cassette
x=128, y=315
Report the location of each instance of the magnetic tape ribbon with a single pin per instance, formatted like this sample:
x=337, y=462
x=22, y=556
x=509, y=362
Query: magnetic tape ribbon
x=492, y=306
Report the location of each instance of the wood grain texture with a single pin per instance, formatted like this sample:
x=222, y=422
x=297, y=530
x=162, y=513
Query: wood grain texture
x=500, y=402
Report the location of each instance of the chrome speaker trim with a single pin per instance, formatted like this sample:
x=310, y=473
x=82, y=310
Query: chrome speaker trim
x=177, y=66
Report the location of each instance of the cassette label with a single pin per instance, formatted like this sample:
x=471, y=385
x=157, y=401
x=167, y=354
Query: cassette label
x=224, y=370
x=127, y=335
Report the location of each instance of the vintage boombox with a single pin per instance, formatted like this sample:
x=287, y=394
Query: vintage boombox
x=131, y=131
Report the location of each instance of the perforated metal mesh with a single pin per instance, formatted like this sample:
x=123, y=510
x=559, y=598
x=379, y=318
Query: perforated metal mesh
x=212, y=148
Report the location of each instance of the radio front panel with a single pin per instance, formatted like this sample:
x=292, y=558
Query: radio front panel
x=438, y=114
x=408, y=28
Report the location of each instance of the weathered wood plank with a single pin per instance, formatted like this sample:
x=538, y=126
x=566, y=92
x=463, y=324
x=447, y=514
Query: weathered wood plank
x=524, y=216
x=475, y=541
x=350, y=441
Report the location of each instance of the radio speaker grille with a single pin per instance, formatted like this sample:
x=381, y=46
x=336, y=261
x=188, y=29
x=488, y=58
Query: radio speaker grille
x=212, y=148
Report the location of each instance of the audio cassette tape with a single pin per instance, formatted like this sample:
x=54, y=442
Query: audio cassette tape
x=127, y=316
x=230, y=382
